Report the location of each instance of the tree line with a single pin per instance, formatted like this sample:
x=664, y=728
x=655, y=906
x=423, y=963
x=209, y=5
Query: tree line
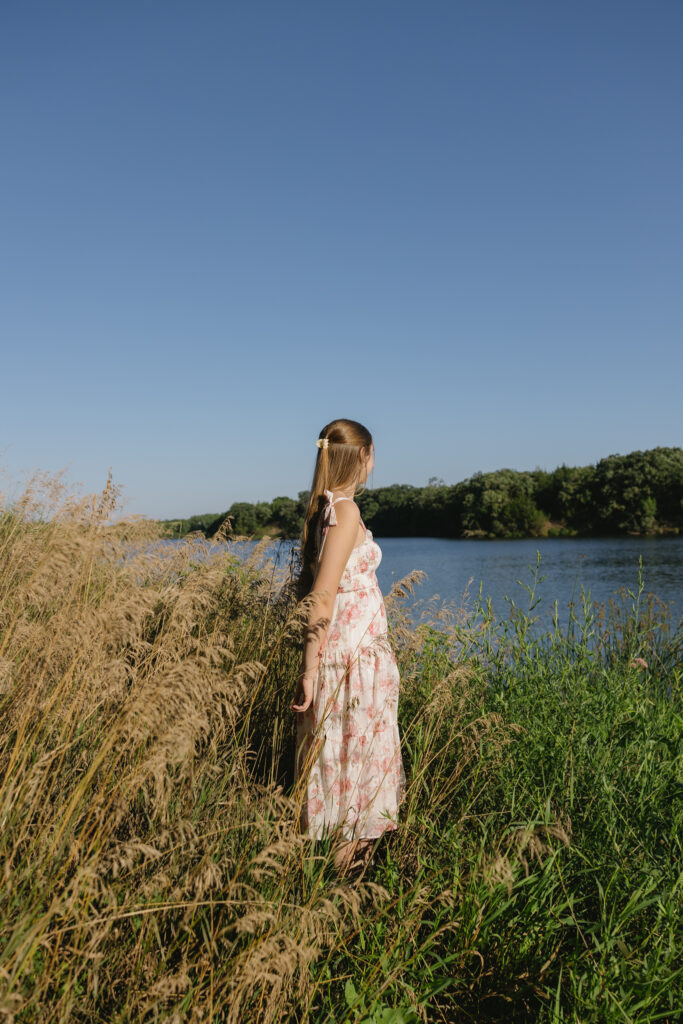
x=639, y=493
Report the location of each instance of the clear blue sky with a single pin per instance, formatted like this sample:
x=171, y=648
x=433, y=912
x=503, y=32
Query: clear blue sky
x=224, y=224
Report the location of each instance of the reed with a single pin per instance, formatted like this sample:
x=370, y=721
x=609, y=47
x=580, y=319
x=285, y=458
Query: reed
x=152, y=869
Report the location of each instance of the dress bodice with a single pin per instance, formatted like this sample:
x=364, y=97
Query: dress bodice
x=360, y=570
x=359, y=617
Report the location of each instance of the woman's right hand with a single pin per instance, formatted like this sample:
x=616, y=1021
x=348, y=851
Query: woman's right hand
x=304, y=692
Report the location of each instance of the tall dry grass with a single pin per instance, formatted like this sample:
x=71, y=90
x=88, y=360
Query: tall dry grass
x=152, y=865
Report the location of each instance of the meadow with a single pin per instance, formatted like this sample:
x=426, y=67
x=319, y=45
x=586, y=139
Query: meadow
x=152, y=868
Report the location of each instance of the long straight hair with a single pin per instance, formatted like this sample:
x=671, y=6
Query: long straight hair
x=337, y=467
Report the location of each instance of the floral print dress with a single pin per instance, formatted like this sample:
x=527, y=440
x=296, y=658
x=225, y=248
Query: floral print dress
x=348, y=752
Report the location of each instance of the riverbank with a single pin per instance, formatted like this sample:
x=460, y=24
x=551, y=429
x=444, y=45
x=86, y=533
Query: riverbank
x=176, y=528
x=152, y=861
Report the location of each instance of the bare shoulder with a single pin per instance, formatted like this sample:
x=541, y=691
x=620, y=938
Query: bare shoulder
x=348, y=512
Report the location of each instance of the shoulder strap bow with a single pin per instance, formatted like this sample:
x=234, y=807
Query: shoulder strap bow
x=329, y=511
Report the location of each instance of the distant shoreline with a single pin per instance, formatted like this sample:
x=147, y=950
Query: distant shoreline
x=635, y=495
x=663, y=534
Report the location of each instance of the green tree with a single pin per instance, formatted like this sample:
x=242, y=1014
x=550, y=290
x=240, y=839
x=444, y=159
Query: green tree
x=287, y=516
x=628, y=490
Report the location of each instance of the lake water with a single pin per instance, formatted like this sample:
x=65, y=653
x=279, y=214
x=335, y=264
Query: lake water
x=602, y=566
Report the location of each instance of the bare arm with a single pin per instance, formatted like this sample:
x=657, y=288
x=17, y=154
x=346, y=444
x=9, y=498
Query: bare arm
x=338, y=546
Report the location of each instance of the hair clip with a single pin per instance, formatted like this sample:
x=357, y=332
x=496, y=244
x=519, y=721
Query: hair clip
x=322, y=442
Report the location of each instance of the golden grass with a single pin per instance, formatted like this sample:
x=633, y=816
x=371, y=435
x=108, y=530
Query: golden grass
x=152, y=865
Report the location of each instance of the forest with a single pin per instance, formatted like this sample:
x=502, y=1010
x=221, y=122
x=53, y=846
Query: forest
x=636, y=494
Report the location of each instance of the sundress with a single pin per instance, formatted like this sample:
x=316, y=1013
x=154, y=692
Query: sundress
x=348, y=749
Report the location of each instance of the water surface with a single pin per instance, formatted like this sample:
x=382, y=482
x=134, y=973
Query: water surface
x=604, y=567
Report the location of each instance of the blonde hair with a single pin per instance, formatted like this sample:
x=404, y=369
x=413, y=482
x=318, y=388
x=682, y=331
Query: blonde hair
x=338, y=466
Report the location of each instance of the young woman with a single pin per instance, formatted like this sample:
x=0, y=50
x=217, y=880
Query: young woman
x=348, y=753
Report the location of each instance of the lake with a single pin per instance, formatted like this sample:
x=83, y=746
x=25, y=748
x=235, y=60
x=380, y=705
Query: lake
x=602, y=566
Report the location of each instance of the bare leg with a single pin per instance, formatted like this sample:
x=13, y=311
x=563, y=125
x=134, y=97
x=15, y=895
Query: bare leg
x=365, y=849
x=344, y=854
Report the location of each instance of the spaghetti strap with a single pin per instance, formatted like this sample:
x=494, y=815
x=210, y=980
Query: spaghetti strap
x=344, y=498
x=332, y=517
